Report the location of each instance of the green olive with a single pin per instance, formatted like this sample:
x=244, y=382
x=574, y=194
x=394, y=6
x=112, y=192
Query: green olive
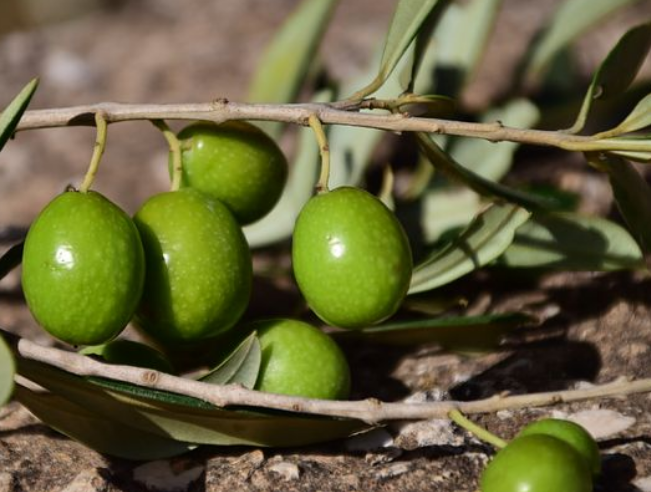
x=537, y=463
x=236, y=163
x=130, y=353
x=351, y=258
x=198, y=267
x=573, y=434
x=83, y=268
x=299, y=359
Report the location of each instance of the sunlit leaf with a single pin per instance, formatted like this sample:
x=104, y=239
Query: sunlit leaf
x=571, y=19
x=460, y=40
x=241, y=366
x=572, y=242
x=187, y=419
x=408, y=18
x=443, y=162
x=13, y=112
x=493, y=160
x=447, y=208
x=282, y=70
x=11, y=259
x=632, y=195
x=617, y=71
x=278, y=224
x=96, y=431
x=7, y=371
x=486, y=238
x=463, y=333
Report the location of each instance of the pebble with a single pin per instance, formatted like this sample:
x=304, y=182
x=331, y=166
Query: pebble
x=163, y=477
x=87, y=481
x=601, y=422
x=643, y=483
x=288, y=471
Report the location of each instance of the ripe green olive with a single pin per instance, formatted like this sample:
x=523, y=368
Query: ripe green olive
x=83, y=268
x=299, y=359
x=236, y=163
x=130, y=353
x=351, y=258
x=198, y=267
x=537, y=463
x=573, y=434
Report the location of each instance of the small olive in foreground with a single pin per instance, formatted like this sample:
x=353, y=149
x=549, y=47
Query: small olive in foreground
x=537, y=463
x=573, y=434
x=299, y=359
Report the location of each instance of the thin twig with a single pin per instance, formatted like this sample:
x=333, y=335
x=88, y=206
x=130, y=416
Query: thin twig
x=338, y=113
x=369, y=410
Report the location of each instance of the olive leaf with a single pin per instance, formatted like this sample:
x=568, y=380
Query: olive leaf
x=408, y=19
x=241, y=366
x=7, y=371
x=13, y=112
x=187, y=419
x=463, y=333
x=617, y=71
x=278, y=224
x=96, y=431
x=11, y=259
x=281, y=71
x=632, y=195
x=460, y=39
x=637, y=119
x=571, y=241
x=445, y=163
x=485, y=238
x=569, y=21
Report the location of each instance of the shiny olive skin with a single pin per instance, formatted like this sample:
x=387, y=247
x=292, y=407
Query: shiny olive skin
x=299, y=359
x=351, y=258
x=130, y=353
x=198, y=267
x=234, y=162
x=83, y=268
x=573, y=434
x=537, y=463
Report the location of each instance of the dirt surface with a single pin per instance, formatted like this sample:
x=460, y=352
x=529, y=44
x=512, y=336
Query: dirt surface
x=593, y=328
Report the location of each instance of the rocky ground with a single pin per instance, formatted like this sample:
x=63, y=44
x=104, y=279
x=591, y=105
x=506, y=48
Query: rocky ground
x=594, y=327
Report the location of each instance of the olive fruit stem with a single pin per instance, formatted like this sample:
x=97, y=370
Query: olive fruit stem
x=479, y=432
x=324, y=149
x=369, y=410
x=175, y=151
x=98, y=151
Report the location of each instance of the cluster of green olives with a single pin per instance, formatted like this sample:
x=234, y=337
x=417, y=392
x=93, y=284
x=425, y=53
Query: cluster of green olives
x=181, y=269
x=546, y=456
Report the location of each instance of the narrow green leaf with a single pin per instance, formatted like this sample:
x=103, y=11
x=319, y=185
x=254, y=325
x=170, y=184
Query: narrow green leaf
x=571, y=19
x=11, y=259
x=11, y=115
x=486, y=238
x=463, y=333
x=408, y=18
x=442, y=161
x=617, y=71
x=447, y=208
x=638, y=119
x=278, y=224
x=493, y=160
x=281, y=71
x=570, y=241
x=632, y=195
x=163, y=413
x=460, y=40
x=98, y=432
x=7, y=371
x=241, y=366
